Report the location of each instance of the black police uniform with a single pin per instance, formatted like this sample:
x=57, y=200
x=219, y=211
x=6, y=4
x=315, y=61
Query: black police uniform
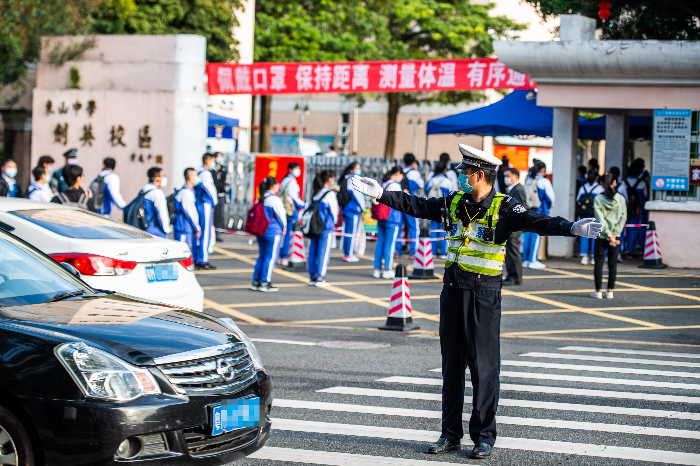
x=470, y=311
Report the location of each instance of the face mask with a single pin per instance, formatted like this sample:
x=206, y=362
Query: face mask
x=296, y=172
x=507, y=181
x=11, y=172
x=72, y=162
x=220, y=160
x=346, y=152
x=464, y=183
x=49, y=171
x=358, y=172
x=163, y=182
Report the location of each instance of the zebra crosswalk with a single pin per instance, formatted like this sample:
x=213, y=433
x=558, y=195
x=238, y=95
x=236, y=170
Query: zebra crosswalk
x=641, y=414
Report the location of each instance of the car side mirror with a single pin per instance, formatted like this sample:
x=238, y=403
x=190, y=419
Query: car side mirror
x=71, y=269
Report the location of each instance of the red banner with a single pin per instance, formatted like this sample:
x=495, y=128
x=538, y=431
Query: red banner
x=356, y=77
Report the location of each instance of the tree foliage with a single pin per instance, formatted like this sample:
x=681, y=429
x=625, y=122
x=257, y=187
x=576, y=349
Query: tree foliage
x=634, y=19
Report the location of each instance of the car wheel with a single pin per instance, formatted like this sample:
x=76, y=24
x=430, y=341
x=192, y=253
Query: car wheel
x=15, y=445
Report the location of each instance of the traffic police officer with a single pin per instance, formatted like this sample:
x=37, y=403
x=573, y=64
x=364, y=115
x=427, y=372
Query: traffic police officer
x=478, y=221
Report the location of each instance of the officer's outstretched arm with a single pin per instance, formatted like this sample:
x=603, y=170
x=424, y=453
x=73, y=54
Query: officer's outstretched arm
x=414, y=206
x=518, y=218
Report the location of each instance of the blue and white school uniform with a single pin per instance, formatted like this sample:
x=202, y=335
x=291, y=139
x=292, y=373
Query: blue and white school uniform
x=415, y=182
x=320, y=248
x=633, y=236
x=111, y=194
x=11, y=186
x=187, y=220
x=595, y=189
x=206, y=197
x=445, y=185
x=39, y=192
x=352, y=216
x=290, y=183
x=269, y=242
x=531, y=241
x=156, y=211
x=388, y=233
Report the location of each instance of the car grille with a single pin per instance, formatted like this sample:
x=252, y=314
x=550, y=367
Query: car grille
x=200, y=442
x=209, y=371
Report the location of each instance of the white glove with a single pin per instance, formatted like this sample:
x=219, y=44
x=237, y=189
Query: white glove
x=367, y=186
x=587, y=227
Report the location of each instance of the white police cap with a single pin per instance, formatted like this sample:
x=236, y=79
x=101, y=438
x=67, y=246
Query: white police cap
x=472, y=157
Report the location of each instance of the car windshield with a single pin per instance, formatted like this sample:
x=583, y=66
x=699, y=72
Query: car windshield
x=80, y=224
x=28, y=277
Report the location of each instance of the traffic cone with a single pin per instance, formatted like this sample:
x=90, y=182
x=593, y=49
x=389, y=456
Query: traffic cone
x=297, y=253
x=652, y=250
x=400, y=316
x=423, y=262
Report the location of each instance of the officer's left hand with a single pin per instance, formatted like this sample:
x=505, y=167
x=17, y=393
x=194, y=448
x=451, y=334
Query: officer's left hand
x=587, y=227
x=367, y=186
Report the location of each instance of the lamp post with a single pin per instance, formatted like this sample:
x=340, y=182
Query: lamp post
x=301, y=109
x=417, y=123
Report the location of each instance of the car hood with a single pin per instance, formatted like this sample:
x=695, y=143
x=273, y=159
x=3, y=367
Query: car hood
x=135, y=330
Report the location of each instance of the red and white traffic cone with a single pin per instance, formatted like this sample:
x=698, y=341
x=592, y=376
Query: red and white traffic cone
x=297, y=253
x=652, y=250
x=400, y=315
x=423, y=262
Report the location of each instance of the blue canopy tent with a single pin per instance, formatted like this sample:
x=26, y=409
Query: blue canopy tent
x=218, y=120
x=640, y=128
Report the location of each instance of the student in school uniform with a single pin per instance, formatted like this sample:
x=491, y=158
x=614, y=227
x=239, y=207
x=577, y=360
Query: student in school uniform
x=269, y=242
x=545, y=193
x=39, y=191
x=207, y=197
x=591, y=186
x=155, y=204
x=320, y=248
x=413, y=184
x=388, y=230
x=186, y=228
x=290, y=190
x=352, y=212
x=438, y=186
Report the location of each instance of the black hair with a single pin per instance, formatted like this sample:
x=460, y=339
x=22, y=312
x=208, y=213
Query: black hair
x=591, y=176
x=582, y=171
x=153, y=173
x=71, y=174
x=38, y=172
x=265, y=185
x=292, y=166
x=636, y=168
x=607, y=181
x=392, y=171
x=44, y=159
x=110, y=163
x=207, y=157
x=349, y=169
x=408, y=158
x=440, y=168
x=321, y=179
x=445, y=157
x=187, y=171
x=505, y=160
x=615, y=172
x=4, y=162
x=594, y=164
x=537, y=166
x=489, y=175
x=514, y=171
x=331, y=147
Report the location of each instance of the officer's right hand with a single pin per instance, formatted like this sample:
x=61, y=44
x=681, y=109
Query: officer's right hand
x=587, y=227
x=367, y=186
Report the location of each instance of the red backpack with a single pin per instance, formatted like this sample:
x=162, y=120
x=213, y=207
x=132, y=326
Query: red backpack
x=380, y=211
x=256, y=223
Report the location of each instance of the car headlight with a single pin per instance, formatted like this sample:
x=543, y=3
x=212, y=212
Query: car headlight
x=103, y=375
x=252, y=350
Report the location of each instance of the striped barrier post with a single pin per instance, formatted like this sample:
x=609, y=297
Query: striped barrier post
x=652, y=250
x=400, y=315
x=297, y=253
x=423, y=266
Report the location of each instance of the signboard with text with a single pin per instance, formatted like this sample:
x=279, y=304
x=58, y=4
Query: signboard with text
x=356, y=77
x=671, y=150
x=276, y=165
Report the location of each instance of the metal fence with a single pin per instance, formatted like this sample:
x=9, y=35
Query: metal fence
x=241, y=176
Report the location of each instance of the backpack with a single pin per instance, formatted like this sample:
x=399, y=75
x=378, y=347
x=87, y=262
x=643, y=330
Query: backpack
x=29, y=191
x=256, y=222
x=380, y=211
x=98, y=191
x=584, y=204
x=81, y=203
x=435, y=188
x=312, y=225
x=289, y=207
x=172, y=208
x=405, y=186
x=633, y=201
x=344, y=196
x=135, y=212
x=532, y=195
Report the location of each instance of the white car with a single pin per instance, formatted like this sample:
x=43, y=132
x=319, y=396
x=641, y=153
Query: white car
x=109, y=255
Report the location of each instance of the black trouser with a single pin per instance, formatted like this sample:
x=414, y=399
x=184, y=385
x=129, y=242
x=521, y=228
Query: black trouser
x=514, y=258
x=599, y=254
x=470, y=322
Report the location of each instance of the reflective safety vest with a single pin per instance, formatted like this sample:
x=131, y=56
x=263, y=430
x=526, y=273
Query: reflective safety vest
x=467, y=246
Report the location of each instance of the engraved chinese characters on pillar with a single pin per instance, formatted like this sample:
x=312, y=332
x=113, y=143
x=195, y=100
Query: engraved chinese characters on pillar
x=91, y=107
x=49, y=107
x=60, y=133
x=87, y=136
x=77, y=106
x=63, y=109
x=115, y=136
x=144, y=137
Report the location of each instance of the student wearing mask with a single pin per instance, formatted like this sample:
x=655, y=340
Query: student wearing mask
x=58, y=181
x=610, y=210
x=111, y=194
x=388, y=230
x=352, y=211
x=205, y=193
x=635, y=190
x=290, y=195
x=320, y=248
x=39, y=191
x=514, y=258
x=74, y=195
x=412, y=184
x=9, y=186
x=439, y=186
x=587, y=192
x=542, y=189
x=269, y=242
x=46, y=162
x=186, y=228
x=450, y=173
x=155, y=204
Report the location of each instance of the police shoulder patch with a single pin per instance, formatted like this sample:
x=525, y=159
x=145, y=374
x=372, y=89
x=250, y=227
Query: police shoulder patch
x=519, y=209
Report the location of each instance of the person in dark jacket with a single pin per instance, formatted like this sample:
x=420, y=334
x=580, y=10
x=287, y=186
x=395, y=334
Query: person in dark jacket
x=514, y=258
x=220, y=173
x=71, y=158
x=9, y=185
x=74, y=194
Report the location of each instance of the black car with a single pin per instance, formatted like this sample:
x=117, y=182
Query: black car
x=89, y=377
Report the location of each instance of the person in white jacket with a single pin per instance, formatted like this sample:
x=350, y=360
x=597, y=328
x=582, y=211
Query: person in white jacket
x=112, y=188
x=155, y=204
x=320, y=248
x=206, y=195
x=39, y=191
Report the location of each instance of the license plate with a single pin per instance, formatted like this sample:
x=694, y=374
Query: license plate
x=161, y=273
x=235, y=414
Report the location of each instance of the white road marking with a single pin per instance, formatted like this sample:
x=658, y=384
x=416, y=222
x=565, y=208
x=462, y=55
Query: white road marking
x=549, y=446
x=575, y=367
x=631, y=351
x=519, y=403
x=333, y=458
x=581, y=357
x=285, y=342
x=518, y=421
x=603, y=380
x=557, y=390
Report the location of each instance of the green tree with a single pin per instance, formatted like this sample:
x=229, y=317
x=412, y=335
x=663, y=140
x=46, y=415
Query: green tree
x=634, y=19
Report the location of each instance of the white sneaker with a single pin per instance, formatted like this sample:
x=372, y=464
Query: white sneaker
x=597, y=295
x=585, y=260
x=536, y=265
x=388, y=274
x=353, y=259
x=608, y=295
x=377, y=273
x=322, y=282
x=592, y=260
x=442, y=256
x=526, y=264
x=284, y=262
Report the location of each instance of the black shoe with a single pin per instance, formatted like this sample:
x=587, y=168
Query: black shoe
x=509, y=282
x=206, y=266
x=442, y=446
x=482, y=450
x=255, y=286
x=267, y=287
